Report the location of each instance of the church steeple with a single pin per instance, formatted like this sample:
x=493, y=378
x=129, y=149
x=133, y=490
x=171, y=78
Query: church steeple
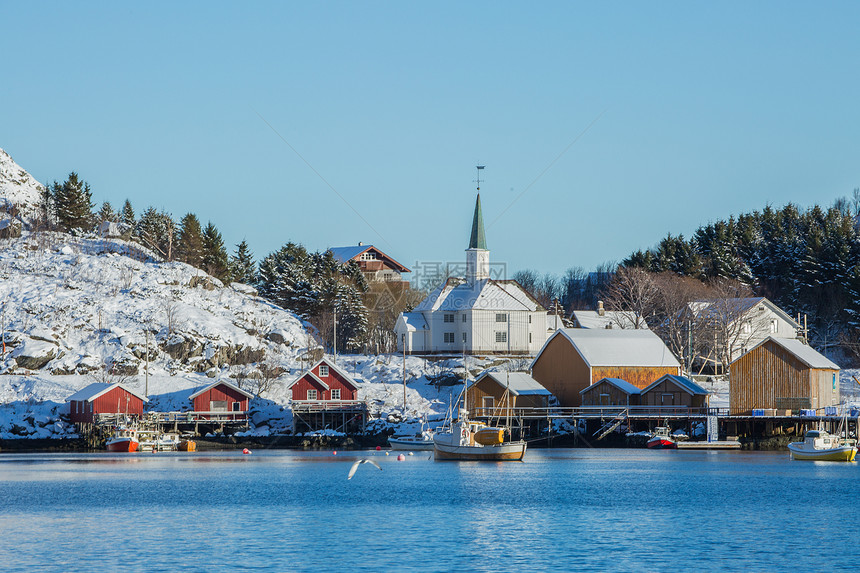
x=478, y=240
x=477, y=255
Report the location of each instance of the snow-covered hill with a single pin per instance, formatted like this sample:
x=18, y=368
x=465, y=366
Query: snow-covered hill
x=19, y=192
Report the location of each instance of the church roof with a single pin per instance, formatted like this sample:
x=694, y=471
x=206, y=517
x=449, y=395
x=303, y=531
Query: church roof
x=478, y=240
x=487, y=294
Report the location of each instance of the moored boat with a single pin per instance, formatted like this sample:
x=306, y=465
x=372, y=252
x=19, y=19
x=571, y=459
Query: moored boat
x=122, y=440
x=474, y=441
x=187, y=445
x=662, y=440
x=819, y=445
x=422, y=442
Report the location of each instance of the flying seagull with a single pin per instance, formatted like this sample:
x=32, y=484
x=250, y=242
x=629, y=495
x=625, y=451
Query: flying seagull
x=358, y=463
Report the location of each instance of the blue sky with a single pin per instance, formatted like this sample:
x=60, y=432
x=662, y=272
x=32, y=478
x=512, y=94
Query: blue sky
x=603, y=126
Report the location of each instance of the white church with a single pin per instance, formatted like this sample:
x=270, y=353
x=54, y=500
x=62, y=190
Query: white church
x=475, y=314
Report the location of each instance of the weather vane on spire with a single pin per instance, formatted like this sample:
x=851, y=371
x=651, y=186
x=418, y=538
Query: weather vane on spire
x=478, y=180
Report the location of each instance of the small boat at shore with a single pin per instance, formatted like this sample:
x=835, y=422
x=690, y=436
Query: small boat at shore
x=467, y=440
x=123, y=440
x=662, y=440
x=819, y=445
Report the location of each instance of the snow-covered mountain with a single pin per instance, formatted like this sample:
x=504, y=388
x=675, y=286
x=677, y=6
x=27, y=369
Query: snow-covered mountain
x=20, y=193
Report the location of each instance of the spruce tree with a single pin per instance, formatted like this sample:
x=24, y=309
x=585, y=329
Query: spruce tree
x=190, y=241
x=106, y=213
x=156, y=230
x=215, y=260
x=242, y=266
x=73, y=203
x=127, y=216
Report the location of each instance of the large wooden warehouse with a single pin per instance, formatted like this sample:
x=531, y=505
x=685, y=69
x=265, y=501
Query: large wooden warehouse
x=783, y=374
x=575, y=358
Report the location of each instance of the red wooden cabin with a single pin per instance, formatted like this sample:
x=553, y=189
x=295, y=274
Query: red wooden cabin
x=324, y=382
x=221, y=400
x=87, y=404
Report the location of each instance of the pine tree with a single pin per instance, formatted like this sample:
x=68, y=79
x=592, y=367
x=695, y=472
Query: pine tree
x=156, y=230
x=127, y=216
x=242, y=266
x=189, y=245
x=106, y=213
x=73, y=204
x=215, y=260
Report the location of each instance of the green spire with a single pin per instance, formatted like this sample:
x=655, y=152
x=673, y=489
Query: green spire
x=478, y=241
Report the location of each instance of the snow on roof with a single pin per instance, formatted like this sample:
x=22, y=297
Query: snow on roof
x=611, y=347
x=681, y=381
x=413, y=321
x=737, y=307
x=346, y=254
x=487, y=294
x=805, y=353
x=96, y=389
x=609, y=319
x=554, y=321
x=220, y=383
x=518, y=383
x=622, y=385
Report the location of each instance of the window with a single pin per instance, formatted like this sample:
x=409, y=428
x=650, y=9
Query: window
x=448, y=317
x=464, y=317
x=368, y=256
x=335, y=394
x=487, y=401
x=501, y=318
x=530, y=337
x=530, y=319
x=312, y=394
x=448, y=338
x=323, y=370
x=218, y=406
x=774, y=325
x=464, y=338
x=746, y=328
x=501, y=337
x=237, y=407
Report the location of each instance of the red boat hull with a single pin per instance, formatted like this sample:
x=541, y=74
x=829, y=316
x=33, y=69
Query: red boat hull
x=122, y=445
x=661, y=444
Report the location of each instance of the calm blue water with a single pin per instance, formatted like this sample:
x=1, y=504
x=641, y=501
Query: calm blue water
x=560, y=510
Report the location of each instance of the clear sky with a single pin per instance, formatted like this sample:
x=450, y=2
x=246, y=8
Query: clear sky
x=603, y=126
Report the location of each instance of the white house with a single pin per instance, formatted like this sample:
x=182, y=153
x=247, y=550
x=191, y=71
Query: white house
x=474, y=314
x=740, y=324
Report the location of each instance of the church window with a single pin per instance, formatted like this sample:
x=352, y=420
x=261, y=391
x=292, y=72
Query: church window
x=501, y=336
x=448, y=317
x=464, y=317
x=501, y=317
x=448, y=338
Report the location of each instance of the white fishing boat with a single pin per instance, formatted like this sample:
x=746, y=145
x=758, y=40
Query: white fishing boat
x=468, y=440
x=424, y=441
x=822, y=446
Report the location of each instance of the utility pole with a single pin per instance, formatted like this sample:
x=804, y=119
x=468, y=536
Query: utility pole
x=404, y=379
x=146, y=368
x=334, y=345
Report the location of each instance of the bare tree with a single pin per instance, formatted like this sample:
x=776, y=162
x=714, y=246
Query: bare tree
x=632, y=295
x=673, y=320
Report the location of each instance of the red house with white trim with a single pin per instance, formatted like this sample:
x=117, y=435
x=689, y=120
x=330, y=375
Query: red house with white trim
x=87, y=404
x=324, y=382
x=221, y=400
